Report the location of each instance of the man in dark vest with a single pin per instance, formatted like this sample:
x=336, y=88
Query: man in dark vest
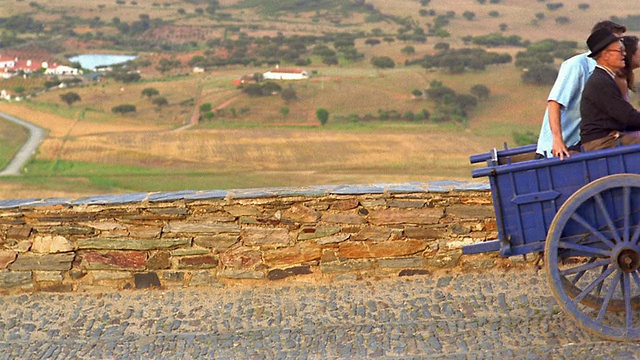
x=606, y=114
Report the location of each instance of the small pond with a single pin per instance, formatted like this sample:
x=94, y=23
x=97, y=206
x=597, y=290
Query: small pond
x=92, y=61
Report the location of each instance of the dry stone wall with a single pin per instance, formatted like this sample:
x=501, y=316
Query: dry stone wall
x=209, y=238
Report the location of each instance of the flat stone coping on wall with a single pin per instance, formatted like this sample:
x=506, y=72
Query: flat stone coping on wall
x=443, y=186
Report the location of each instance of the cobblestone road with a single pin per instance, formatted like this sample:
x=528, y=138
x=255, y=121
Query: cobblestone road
x=488, y=315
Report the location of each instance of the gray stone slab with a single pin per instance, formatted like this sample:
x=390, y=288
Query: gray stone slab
x=477, y=186
x=170, y=196
x=403, y=188
x=207, y=195
x=358, y=189
x=111, y=199
x=10, y=204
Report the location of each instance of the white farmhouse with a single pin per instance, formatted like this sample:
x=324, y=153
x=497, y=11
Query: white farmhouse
x=61, y=70
x=285, y=74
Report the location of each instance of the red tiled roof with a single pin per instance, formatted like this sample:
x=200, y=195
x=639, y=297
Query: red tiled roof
x=287, y=71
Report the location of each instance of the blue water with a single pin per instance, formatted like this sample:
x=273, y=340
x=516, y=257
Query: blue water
x=92, y=61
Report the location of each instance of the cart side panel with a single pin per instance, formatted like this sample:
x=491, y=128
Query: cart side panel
x=528, y=195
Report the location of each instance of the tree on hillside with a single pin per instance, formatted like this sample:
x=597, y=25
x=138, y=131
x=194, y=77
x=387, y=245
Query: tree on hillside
x=288, y=94
x=206, y=107
x=284, y=111
x=150, y=92
x=383, y=62
x=480, y=91
x=160, y=101
x=408, y=50
x=70, y=97
x=123, y=109
x=372, y=41
x=322, y=115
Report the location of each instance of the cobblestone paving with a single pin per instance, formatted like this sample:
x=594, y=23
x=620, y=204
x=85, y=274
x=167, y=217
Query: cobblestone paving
x=488, y=315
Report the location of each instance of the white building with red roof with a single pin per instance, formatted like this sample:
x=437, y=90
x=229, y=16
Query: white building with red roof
x=285, y=74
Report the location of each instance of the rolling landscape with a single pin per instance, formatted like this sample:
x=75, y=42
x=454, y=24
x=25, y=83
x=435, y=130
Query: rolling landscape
x=397, y=91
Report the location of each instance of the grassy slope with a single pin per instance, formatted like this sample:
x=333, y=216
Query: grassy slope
x=91, y=151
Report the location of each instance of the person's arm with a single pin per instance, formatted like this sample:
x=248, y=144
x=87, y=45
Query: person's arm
x=558, y=148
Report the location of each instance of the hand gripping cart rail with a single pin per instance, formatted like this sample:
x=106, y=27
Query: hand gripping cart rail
x=584, y=213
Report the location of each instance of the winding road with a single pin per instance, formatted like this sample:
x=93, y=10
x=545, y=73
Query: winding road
x=36, y=135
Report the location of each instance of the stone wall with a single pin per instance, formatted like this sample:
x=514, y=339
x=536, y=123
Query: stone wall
x=208, y=238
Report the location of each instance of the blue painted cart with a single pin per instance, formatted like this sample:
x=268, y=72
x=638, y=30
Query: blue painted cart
x=584, y=213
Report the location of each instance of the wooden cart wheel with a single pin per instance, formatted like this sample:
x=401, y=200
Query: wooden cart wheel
x=592, y=256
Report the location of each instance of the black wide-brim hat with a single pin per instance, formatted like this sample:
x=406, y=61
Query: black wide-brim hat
x=599, y=40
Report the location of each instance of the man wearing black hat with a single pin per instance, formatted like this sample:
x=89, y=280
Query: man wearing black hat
x=605, y=112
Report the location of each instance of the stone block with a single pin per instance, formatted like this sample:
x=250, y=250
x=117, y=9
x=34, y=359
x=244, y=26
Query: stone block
x=445, y=259
x=424, y=216
x=131, y=244
x=51, y=244
x=10, y=279
x=343, y=218
x=46, y=262
x=333, y=239
x=364, y=250
x=144, y=232
x=301, y=214
x=146, y=280
x=19, y=232
x=102, y=275
x=471, y=211
x=174, y=276
x=372, y=233
x=218, y=241
x=241, y=258
x=72, y=230
x=47, y=276
x=345, y=204
x=198, y=262
x=254, y=236
x=414, y=272
x=204, y=278
x=159, y=260
x=56, y=287
x=243, y=210
x=241, y=274
x=318, y=232
x=116, y=260
x=6, y=258
x=346, y=266
x=293, y=255
x=406, y=203
x=201, y=227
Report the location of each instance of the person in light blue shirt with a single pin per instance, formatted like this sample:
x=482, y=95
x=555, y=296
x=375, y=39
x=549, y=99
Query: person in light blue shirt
x=560, y=131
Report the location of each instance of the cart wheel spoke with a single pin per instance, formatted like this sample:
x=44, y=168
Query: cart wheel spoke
x=636, y=278
x=607, y=217
x=626, y=198
x=583, y=248
x=607, y=298
x=580, y=220
x=626, y=290
x=581, y=269
x=593, y=285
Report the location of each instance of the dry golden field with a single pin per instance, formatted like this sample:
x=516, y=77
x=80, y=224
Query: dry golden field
x=90, y=151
